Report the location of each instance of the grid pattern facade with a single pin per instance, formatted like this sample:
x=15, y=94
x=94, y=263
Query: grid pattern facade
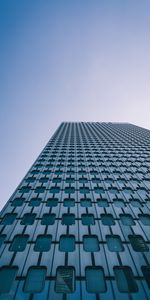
x=78, y=225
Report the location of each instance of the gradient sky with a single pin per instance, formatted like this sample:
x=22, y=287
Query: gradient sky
x=68, y=60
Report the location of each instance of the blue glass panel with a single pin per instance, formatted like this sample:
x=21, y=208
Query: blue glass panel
x=125, y=280
x=19, y=243
x=43, y=243
x=48, y=219
x=67, y=243
x=114, y=243
x=95, y=282
x=88, y=219
x=90, y=243
x=127, y=220
x=65, y=280
x=35, y=280
x=7, y=277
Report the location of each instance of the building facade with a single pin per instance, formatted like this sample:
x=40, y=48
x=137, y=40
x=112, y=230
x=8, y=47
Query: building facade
x=78, y=225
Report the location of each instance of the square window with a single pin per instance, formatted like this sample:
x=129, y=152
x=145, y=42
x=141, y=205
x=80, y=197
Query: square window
x=88, y=219
x=8, y=219
x=127, y=220
x=107, y=219
x=125, y=280
x=52, y=202
x=18, y=202
x=43, y=243
x=114, y=243
x=95, y=282
x=48, y=219
x=7, y=277
x=68, y=219
x=102, y=203
x=65, y=280
x=28, y=219
x=39, y=189
x=119, y=203
x=34, y=202
x=138, y=244
x=86, y=202
x=146, y=273
x=67, y=243
x=90, y=243
x=145, y=219
x=19, y=243
x=69, y=202
x=35, y=280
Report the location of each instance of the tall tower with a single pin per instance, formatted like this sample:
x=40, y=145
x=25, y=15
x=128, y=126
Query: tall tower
x=78, y=225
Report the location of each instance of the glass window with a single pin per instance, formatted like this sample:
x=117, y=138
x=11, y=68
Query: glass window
x=95, y=282
x=102, y=202
x=19, y=243
x=48, y=219
x=88, y=219
x=24, y=189
x=68, y=219
x=145, y=219
x=146, y=273
x=119, y=203
x=65, y=280
x=86, y=202
x=18, y=202
x=35, y=202
x=43, y=243
x=127, y=219
x=135, y=203
x=83, y=180
x=39, y=189
x=53, y=202
x=28, y=219
x=43, y=179
x=67, y=243
x=114, y=243
x=69, y=190
x=69, y=202
x=125, y=280
x=7, y=276
x=8, y=219
x=138, y=244
x=107, y=219
x=90, y=243
x=35, y=280
x=2, y=238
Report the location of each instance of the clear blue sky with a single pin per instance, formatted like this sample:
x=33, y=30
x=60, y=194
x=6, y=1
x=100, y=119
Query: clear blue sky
x=68, y=60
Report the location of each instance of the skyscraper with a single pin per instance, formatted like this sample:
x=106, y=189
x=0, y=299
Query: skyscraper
x=78, y=225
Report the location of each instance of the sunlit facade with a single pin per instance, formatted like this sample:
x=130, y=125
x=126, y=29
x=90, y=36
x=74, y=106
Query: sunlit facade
x=78, y=225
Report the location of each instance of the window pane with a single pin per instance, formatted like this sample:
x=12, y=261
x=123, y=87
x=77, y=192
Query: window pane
x=86, y=202
x=107, y=219
x=69, y=202
x=67, y=243
x=8, y=219
x=35, y=280
x=48, y=219
x=145, y=219
x=18, y=202
x=43, y=243
x=52, y=202
x=28, y=219
x=35, y=202
x=19, y=243
x=146, y=273
x=125, y=280
x=102, y=203
x=127, y=220
x=2, y=238
x=95, y=282
x=7, y=276
x=68, y=219
x=90, y=243
x=65, y=280
x=88, y=219
x=138, y=244
x=114, y=243
x=119, y=203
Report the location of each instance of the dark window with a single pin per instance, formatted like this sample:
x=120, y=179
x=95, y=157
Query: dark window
x=107, y=219
x=86, y=202
x=35, y=280
x=88, y=219
x=138, y=244
x=18, y=202
x=43, y=180
x=52, y=202
x=48, y=219
x=69, y=190
x=146, y=273
x=39, y=189
x=69, y=202
x=114, y=243
x=25, y=189
x=135, y=203
x=102, y=202
x=19, y=243
x=7, y=276
x=119, y=203
x=65, y=280
x=28, y=219
x=125, y=280
x=43, y=243
x=67, y=243
x=145, y=219
x=8, y=219
x=68, y=219
x=35, y=202
x=95, y=282
x=127, y=220
x=90, y=243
